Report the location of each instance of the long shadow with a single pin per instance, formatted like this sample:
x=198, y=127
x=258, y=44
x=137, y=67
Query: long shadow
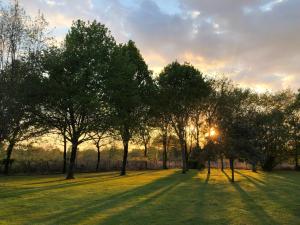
x=249, y=202
x=18, y=192
x=103, y=174
x=260, y=213
x=119, y=217
x=161, y=205
x=46, y=182
x=64, y=179
x=10, y=192
x=253, y=180
x=207, y=178
x=229, y=178
x=273, y=176
x=96, y=205
x=196, y=202
x=286, y=179
x=100, y=175
x=279, y=197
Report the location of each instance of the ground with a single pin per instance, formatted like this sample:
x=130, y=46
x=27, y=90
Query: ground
x=152, y=197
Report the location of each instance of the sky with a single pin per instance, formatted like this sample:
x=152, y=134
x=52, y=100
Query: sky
x=256, y=43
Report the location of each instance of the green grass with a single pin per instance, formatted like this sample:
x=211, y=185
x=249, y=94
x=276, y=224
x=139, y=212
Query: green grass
x=152, y=197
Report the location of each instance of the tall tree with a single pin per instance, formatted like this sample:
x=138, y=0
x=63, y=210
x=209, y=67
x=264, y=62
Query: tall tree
x=21, y=41
x=208, y=109
x=72, y=94
x=128, y=90
x=232, y=109
x=162, y=119
x=293, y=122
x=100, y=135
x=184, y=86
x=273, y=129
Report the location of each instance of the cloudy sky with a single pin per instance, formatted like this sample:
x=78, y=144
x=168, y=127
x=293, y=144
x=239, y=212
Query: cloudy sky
x=254, y=42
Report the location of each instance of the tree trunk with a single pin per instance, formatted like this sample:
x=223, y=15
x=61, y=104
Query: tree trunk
x=145, y=154
x=197, y=137
x=208, y=166
x=70, y=174
x=8, y=155
x=222, y=163
x=165, y=156
x=183, y=154
x=232, y=169
x=186, y=153
x=186, y=156
x=254, y=167
x=145, y=150
x=98, y=157
x=296, y=158
x=123, y=169
x=65, y=155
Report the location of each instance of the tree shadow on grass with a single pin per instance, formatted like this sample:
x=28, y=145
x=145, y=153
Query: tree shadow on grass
x=90, y=208
x=14, y=192
x=207, y=178
x=278, y=192
x=172, y=205
x=252, y=180
x=192, y=201
x=272, y=178
x=227, y=176
x=289, y=177
x=258, y=211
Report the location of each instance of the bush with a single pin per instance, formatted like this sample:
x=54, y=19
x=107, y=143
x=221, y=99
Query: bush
x=195, y=164
x=269, y=163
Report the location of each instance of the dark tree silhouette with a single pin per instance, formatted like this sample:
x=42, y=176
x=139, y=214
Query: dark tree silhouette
x=184, y=87
x=72, y=89
x=128, y=89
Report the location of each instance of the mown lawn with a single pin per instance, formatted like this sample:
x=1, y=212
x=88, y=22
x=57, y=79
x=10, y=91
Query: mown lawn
x=152, y=197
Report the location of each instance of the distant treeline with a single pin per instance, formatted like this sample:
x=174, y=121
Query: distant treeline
x=90, y=88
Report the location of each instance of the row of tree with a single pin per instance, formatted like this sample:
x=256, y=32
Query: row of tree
x=90, y=87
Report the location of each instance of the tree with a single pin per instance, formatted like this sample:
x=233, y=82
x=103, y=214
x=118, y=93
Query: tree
x=210, y=151
x=162, y=119
x=184, y=87
x=97, y=139
x=20, y=123
x=64, y=134
x=230, y=112
x=293, y=121
x=273, y=130
x=208, y=109
x=99, y=135
x=22, y=40
x=143, y=135
x=72, y=90
x=128, y=89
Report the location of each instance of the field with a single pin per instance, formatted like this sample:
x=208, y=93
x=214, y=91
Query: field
x=152, y=197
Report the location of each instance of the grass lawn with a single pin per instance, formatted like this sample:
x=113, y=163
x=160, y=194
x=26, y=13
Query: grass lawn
x=152, y=197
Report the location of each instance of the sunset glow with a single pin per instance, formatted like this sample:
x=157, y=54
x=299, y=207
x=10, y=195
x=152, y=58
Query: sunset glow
x=218, y=37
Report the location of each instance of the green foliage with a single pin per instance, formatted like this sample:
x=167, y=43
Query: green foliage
x=22, y=39
x=184, y=87
x=73, y=85
x=272, y=130
x=128, y=89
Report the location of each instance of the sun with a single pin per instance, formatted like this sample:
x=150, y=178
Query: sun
x=213, y=132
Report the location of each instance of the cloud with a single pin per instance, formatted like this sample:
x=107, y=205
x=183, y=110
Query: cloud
x=255, y=42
